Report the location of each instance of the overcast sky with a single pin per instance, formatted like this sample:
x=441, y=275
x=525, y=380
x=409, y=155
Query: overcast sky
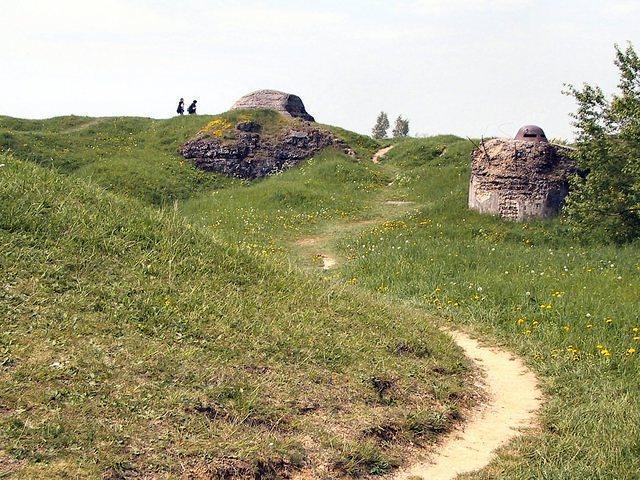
x=469, y=67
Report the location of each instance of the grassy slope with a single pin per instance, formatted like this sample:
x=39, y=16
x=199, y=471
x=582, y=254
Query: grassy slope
x=133, y=344
x=530, y=286
x=329, y=187
x=136, y=156
x=572, y=310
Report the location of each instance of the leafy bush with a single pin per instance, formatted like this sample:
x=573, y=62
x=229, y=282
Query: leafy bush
x=605, y=201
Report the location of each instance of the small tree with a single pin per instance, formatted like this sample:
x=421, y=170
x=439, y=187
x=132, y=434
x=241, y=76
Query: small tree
x=402, y=127
x=605, y=200
x=381, y=126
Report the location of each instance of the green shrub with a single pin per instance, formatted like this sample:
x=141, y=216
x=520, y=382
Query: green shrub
x=605, y=201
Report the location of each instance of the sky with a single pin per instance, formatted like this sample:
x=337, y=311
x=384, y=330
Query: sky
x=467, y=67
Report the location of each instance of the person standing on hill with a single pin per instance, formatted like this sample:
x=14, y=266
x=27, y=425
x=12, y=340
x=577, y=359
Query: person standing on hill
x=180, y=109
x=192, y=108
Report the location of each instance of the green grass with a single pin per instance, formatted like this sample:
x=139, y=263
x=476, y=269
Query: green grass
x=138, y=156
x=221, y=257
x=568, y=307
x=364, y=146
x=571, y=309
x=134, y=344
x=329, y=187
x=134, y=156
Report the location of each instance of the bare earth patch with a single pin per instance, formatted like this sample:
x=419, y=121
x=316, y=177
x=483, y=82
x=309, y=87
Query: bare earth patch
x=381, y=153
x=328, y=262
x=307, y=241
x=398, y=203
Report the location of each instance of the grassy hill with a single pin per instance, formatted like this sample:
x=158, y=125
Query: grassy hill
x=570, y=308
x=135, y=156
x=225, y=254
x=136, y=344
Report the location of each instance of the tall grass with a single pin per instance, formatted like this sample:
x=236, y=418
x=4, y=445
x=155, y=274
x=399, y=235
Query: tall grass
x=571, y=309
x=134, y=156
x=134, y=345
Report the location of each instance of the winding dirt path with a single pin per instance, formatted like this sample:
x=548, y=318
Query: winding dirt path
x=514, y=398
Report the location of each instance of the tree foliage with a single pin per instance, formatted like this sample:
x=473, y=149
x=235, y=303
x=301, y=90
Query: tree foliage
x=605, y=200
x=401, y=128
x=381, y=126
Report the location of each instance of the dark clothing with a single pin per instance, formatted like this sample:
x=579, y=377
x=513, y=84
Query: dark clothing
x=180, y=108
x=192, y=108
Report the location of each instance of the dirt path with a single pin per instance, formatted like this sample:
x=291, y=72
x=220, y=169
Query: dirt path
x=319, y=247
x=381, y=153
x=398, y=203
x=328, y=262
x=514, y=399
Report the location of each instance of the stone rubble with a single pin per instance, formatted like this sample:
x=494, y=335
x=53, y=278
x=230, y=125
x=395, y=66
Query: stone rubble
x=253, y=155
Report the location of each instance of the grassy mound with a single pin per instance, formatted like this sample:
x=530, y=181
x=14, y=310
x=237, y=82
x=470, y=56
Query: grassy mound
x=138, y=156
x=328, y=187
x=133, y=345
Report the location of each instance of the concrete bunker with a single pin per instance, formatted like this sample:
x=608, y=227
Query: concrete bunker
x=285, y=103
x=520, y=179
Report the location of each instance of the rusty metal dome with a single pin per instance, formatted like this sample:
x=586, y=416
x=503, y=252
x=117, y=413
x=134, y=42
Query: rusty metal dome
x=531, y=133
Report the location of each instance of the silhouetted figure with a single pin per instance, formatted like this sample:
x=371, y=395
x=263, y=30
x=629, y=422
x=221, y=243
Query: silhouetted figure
x=180, y=109
x=192, y=108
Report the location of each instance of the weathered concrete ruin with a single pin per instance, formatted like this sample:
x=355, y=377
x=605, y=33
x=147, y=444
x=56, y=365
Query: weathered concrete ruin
x=247, y=152
x=284, y=103
x=520, y=179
